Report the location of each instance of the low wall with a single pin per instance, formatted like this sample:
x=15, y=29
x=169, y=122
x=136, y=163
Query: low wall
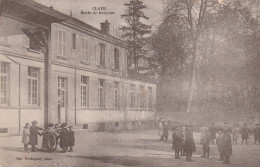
x=205, y=118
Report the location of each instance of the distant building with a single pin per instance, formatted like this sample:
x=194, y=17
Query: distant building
x=89, y=82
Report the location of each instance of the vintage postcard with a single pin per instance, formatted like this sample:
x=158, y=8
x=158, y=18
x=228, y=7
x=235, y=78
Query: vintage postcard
x=151, y=83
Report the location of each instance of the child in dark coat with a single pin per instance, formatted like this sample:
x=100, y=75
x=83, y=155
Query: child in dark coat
x=34, y=132
x=165, y=132
x=206, y=142
x=189, y=144
x=48, y=140
x=244, y=133
x=177, y=138
x=71, y=139
x=64, y=135
x=256, y=132
x=227, y=146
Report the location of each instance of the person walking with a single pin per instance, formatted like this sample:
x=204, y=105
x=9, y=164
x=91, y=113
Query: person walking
x=206, y=143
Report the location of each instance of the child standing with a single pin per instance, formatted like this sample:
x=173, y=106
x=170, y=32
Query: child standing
x=244, y=133
x=220, y=145
x=64, y=137
x=235, y=134
x=165, y=132
x=206, y=147
x=48, y=141
x=189, y=143
x=26, y=137
x=227, y=146
x=71, y=139
x=57, y=135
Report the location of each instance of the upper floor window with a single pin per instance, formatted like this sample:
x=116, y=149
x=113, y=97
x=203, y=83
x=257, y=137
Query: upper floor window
x=84, y=91
x=116, y=94
x=3, y=83
x=74, y=43
x=141, y=97
x=101, y=93
x=33, y=86
x=102, y=55
x=116, y=59
x=84, y=50
x=62, y=42
x=132, y=96
x=150, y=98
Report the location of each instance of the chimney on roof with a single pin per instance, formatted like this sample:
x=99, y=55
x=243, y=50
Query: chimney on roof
x=70, y=13
x=105, y=27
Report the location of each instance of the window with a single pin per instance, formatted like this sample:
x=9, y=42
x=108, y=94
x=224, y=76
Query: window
x=74, y=41
x=116, y=94
x=62, y=41
x=116, y=59
x=3, y=82
x=84, y=50
x=132, y=96
x=101, y=95
x=141, y=97
x=61, y=92
x=150, y=98
x=102, y=55
x=84, y=91
x=33, y=81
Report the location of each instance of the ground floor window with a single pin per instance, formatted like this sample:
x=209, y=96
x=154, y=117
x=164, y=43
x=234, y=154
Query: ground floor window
x=101, y=95
x=33, y=86
x=3, y=83
x=116, y=94
x=84, y=91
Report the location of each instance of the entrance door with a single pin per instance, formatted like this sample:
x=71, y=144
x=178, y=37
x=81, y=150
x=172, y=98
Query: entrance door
x=62, y=99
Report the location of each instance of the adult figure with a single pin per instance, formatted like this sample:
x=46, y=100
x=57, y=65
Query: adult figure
x=256, y=132
x=34, y=132
x=244, y=133
x=212, y=131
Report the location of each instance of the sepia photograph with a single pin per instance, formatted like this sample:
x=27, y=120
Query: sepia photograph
x=129, y=83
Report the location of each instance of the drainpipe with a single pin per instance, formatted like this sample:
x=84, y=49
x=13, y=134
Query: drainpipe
x=75, y=94
x=19, y=94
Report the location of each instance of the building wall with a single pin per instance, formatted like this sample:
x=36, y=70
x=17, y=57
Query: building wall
x=17, y=54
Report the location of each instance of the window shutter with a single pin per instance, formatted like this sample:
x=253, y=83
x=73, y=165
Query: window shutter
x=64, y=38
x=97, y=49
x=59, y=35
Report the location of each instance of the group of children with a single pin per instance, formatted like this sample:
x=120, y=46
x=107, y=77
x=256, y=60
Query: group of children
x=53, y=136
x=183, y=142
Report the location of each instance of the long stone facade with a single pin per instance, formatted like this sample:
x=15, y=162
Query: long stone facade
x=90, y=86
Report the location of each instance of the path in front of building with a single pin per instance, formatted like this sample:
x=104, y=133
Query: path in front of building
x=121, y=149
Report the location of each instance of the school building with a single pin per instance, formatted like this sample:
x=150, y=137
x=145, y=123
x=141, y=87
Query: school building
x=56, y=68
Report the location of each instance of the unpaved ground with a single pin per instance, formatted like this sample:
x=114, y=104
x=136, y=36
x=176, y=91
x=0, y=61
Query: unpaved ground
x=120, y=149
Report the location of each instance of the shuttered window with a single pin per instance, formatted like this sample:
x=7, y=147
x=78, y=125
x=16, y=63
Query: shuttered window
x=62, y=42
x=84, y=50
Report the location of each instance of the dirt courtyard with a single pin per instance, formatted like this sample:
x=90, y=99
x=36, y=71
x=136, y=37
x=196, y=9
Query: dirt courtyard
x=138, y=148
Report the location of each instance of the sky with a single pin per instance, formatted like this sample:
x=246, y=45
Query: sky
x=153, y=11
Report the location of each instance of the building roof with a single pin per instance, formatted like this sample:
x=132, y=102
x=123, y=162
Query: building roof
x=66, y=18
x=132, y=74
